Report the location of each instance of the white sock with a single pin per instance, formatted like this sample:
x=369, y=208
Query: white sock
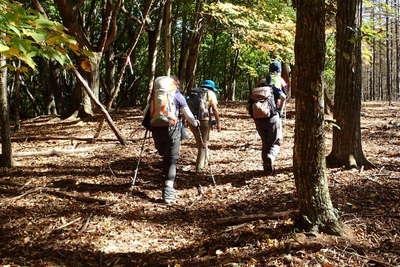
x=169, y=183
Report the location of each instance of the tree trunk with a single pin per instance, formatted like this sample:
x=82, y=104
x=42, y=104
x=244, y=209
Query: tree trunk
x=190, y=49
x=167, y=21
x=184, y=52
x=17, y=98
x=346, y=144
x=49, y=86
x=388, y=59
x=232, y=81
x=316, y=209
x=373, y=82
x=6, y=150
x=154, y=40
x=397, y=37
x=109, y=75
x=194, y=49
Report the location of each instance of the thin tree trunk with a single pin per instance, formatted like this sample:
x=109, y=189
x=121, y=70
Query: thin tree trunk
x=109, y=76
x=6, y=149
x=317, y=212
x=397, y=36
x=154, y=40
x=232, y=80
x=17, y=98
x=167, y=21
x=388, y=60
x=373, y=83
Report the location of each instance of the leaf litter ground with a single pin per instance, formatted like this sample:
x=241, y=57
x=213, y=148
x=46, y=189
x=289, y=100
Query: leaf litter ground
x=69, y=203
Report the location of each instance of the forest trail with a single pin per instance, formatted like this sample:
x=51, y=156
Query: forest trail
x=76, y=209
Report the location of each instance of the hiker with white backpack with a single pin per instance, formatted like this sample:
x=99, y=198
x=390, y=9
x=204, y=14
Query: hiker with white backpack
x=165, y=110
x=266, y=104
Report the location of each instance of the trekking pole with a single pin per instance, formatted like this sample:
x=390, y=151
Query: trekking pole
x=284, y=119
x=207, y=156
x=140, y=157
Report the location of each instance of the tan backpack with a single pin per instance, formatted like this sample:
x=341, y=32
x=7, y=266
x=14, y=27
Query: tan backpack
x=263, y=103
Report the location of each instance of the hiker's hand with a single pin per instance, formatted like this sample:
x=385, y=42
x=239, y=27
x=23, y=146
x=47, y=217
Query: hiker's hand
x=196, y=123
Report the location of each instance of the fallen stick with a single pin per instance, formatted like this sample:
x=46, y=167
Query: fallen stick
x=67, y=224
x=85, y=139
x=55, y=152
x=85, y=226
x=254, y=217
x=34, y=190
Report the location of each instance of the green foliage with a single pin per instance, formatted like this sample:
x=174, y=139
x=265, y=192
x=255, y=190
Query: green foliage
x=268, y=26
x=258, y=31
x=330, y=62
x=26, y=34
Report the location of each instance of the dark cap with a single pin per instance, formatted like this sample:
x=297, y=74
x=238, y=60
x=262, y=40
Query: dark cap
x=275, y=67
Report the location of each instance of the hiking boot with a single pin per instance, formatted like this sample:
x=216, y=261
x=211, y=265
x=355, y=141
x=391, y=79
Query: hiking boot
x=268, y=167
x=200, y=170
x=168, y=195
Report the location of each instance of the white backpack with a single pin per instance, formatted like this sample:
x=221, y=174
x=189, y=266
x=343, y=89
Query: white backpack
x=162, y=108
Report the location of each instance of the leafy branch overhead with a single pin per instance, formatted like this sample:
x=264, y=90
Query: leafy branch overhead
x=25, y=33
x=270, y=31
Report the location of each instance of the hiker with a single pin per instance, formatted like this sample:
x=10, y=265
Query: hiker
x=275, y=79
x=266, y=103
x=166, y=107
x=204, y=104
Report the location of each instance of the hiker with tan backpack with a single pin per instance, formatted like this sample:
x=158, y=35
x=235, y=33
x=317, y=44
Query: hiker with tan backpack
x=164, y=120
x=266, y=103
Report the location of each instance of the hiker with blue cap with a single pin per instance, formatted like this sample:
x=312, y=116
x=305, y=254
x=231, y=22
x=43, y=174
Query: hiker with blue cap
x=204, y=104
x=275, y=79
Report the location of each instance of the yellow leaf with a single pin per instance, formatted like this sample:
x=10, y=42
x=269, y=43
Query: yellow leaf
x=85, y=65
x=74, y=47
x=13, y=52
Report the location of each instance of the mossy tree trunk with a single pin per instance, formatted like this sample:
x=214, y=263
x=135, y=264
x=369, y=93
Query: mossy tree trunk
x=317, y=212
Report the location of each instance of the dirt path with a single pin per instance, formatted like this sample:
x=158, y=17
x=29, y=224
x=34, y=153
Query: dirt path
x=76, y=209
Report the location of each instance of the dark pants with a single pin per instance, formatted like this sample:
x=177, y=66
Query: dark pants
x=202, y=136
x=270, y=131
x=167, y=141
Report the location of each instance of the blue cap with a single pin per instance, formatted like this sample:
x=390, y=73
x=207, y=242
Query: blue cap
x=275, y=67
x=210, y=85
